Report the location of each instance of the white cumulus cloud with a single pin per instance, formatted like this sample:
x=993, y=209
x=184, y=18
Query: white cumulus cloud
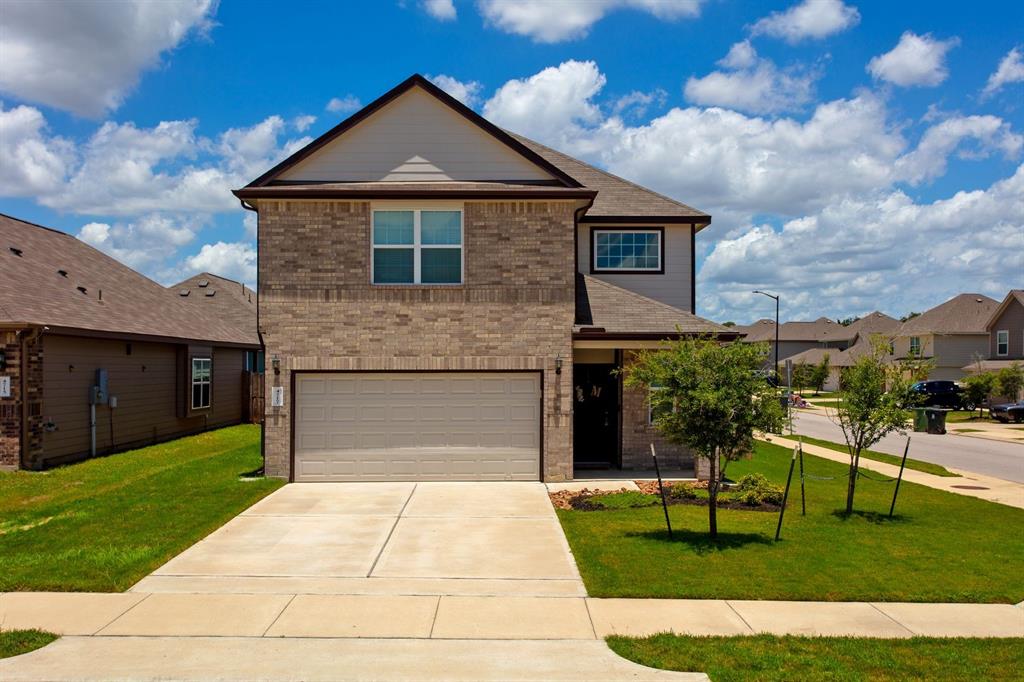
x=142, y=243
x=1010, y=70
x=809, y=19
x=343, y=105
x=917, y=60
x=442, y=10
x=85, y=56
x=234, y=260
x=751, y=83
x=467, y=92
x=546, y=21
x=31, y=162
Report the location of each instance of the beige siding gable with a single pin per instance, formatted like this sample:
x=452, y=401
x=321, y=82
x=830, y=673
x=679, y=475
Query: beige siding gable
x=415, y=138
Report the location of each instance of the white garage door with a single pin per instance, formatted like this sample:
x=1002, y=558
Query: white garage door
x=417, y=426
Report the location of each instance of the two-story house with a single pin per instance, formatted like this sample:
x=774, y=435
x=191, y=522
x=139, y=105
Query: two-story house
x=1005, y=329
x=951, y=335
x=442, y=299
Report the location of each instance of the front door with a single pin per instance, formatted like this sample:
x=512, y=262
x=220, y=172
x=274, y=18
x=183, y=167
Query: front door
x=595, y=416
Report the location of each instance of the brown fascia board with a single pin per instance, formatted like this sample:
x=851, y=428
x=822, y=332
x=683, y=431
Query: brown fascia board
x=649, y=336
x=702, y=220
x=539, y=193
x=392, y=94
x=131, y=336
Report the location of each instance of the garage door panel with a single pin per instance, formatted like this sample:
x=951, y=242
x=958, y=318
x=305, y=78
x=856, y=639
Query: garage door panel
x=412, y=426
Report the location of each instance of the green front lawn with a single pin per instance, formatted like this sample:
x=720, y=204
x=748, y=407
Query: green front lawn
x=960, y=416
x=17, y=642
x=939, y=547
x=105, y=523
x=915, y=464
x=766, y=658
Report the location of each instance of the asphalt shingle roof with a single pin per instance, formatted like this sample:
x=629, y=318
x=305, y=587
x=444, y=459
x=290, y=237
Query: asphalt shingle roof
x=51, y=278
x=618, y=311
x=963, y=314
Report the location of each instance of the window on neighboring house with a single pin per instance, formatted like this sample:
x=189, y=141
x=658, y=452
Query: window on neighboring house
x=201, y=380
x=654, y=411
x=627, y=251
x=1003, y=342
x=417, y=247
x=915, y=346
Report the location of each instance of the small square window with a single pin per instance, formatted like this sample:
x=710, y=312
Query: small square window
x=417, y=247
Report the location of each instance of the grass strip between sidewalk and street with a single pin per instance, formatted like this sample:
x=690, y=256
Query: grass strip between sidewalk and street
x=769, y=658
x=103, y=524
x=915, y=464
x=17, y=642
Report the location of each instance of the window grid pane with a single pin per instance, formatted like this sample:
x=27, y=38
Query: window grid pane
x=628, y=250
x=393, y=227
x=393, y=266
x=441, y=227
x=441, y=266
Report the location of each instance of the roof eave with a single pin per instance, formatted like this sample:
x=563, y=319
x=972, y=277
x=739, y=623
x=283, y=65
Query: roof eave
x=405, y=193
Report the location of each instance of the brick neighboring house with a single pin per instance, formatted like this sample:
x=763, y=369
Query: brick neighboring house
x=952, y=335
x=68, y=310
x=442, y=299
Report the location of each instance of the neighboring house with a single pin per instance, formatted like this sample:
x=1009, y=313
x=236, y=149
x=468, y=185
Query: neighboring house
x=844, y=344
x=951, y=335
x=71, y=319
x=1005, y=331
x=442, y=299
x=228, y=300
x=794, y=337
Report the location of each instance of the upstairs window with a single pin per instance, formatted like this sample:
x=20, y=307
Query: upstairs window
x=417, y=247
x=627, y=250
x=201, y=380
x=1003, y=342
x=915, y=346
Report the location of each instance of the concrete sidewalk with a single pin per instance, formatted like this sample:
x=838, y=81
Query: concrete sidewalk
x=967, y=483
x=270, y=615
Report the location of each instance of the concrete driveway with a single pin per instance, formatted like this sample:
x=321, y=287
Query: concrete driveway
x=383, y=538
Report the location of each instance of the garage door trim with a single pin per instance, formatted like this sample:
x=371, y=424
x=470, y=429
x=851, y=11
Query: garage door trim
x=296, y=373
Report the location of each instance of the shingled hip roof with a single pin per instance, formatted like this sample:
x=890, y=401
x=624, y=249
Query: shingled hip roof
x=52, y=279
x=603, y=309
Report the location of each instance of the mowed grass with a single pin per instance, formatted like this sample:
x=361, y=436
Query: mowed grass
x=915, y=464
x=767, y=658
x=105, y=523
x=17, y=642
x=939, y=547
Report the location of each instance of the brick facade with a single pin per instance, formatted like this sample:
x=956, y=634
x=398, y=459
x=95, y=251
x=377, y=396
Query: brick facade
x=11, y=413
x=515, y=310
x=637, y=436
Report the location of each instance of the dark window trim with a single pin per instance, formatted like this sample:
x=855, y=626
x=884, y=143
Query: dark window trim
x=660, y=229
x=192, y=382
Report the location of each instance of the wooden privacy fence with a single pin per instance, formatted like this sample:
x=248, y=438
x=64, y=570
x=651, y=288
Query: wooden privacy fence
x=253, y=386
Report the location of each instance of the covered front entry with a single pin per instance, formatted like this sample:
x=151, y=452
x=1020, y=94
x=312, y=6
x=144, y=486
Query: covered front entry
x=417, y=426
x=596, y=415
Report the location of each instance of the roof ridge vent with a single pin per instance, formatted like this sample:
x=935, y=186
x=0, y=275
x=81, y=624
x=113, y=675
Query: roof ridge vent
x=16, y=251
x=211, y=292
x=83, y=290
x=183, y=292
x=204, y=283
x=62, y=273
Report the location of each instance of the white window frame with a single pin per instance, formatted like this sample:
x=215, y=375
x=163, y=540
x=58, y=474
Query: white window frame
x=417, y=246
x=621, y=230
x=1005, y=333
x=193, y=382
x=915, y=352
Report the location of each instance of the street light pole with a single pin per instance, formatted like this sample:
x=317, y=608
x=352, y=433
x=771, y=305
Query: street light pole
x=776, y=297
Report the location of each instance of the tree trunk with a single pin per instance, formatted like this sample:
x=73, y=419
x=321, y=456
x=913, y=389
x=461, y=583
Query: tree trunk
x=713, y=496
x=852, y=484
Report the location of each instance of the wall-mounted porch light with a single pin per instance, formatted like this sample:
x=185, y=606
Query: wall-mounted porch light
x=558, y=364
x=275, y=362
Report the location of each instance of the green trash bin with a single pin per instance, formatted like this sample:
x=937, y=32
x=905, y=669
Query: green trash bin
x=936, y=420
x=920, y=419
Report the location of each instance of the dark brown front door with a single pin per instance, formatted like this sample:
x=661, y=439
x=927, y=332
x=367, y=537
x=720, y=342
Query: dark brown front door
x=595, y=416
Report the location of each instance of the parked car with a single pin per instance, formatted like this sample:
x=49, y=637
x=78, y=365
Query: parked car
x=941, y=394
x=1008, y=412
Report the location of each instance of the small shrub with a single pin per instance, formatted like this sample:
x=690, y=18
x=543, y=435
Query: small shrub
x=685, y=491
x=754, y=490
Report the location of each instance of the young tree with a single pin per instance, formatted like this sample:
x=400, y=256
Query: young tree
x=801, y=376
x=711, y=399
x=978, y=387
x=819, y=374
x=1009, y=381
x=873, y=403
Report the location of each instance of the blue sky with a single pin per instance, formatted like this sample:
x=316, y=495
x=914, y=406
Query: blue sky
x=854, y=155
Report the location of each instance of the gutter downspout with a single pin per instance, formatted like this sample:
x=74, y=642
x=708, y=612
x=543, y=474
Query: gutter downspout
x=28, y=337
x=263, y=347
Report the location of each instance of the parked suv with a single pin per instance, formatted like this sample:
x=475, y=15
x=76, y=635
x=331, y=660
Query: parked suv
x=940, y=394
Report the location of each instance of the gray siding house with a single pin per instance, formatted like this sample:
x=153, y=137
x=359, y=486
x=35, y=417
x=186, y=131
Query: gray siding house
x=443, y=300
x=951, y=335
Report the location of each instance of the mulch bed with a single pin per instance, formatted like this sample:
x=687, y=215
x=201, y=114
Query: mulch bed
x=580, y=500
